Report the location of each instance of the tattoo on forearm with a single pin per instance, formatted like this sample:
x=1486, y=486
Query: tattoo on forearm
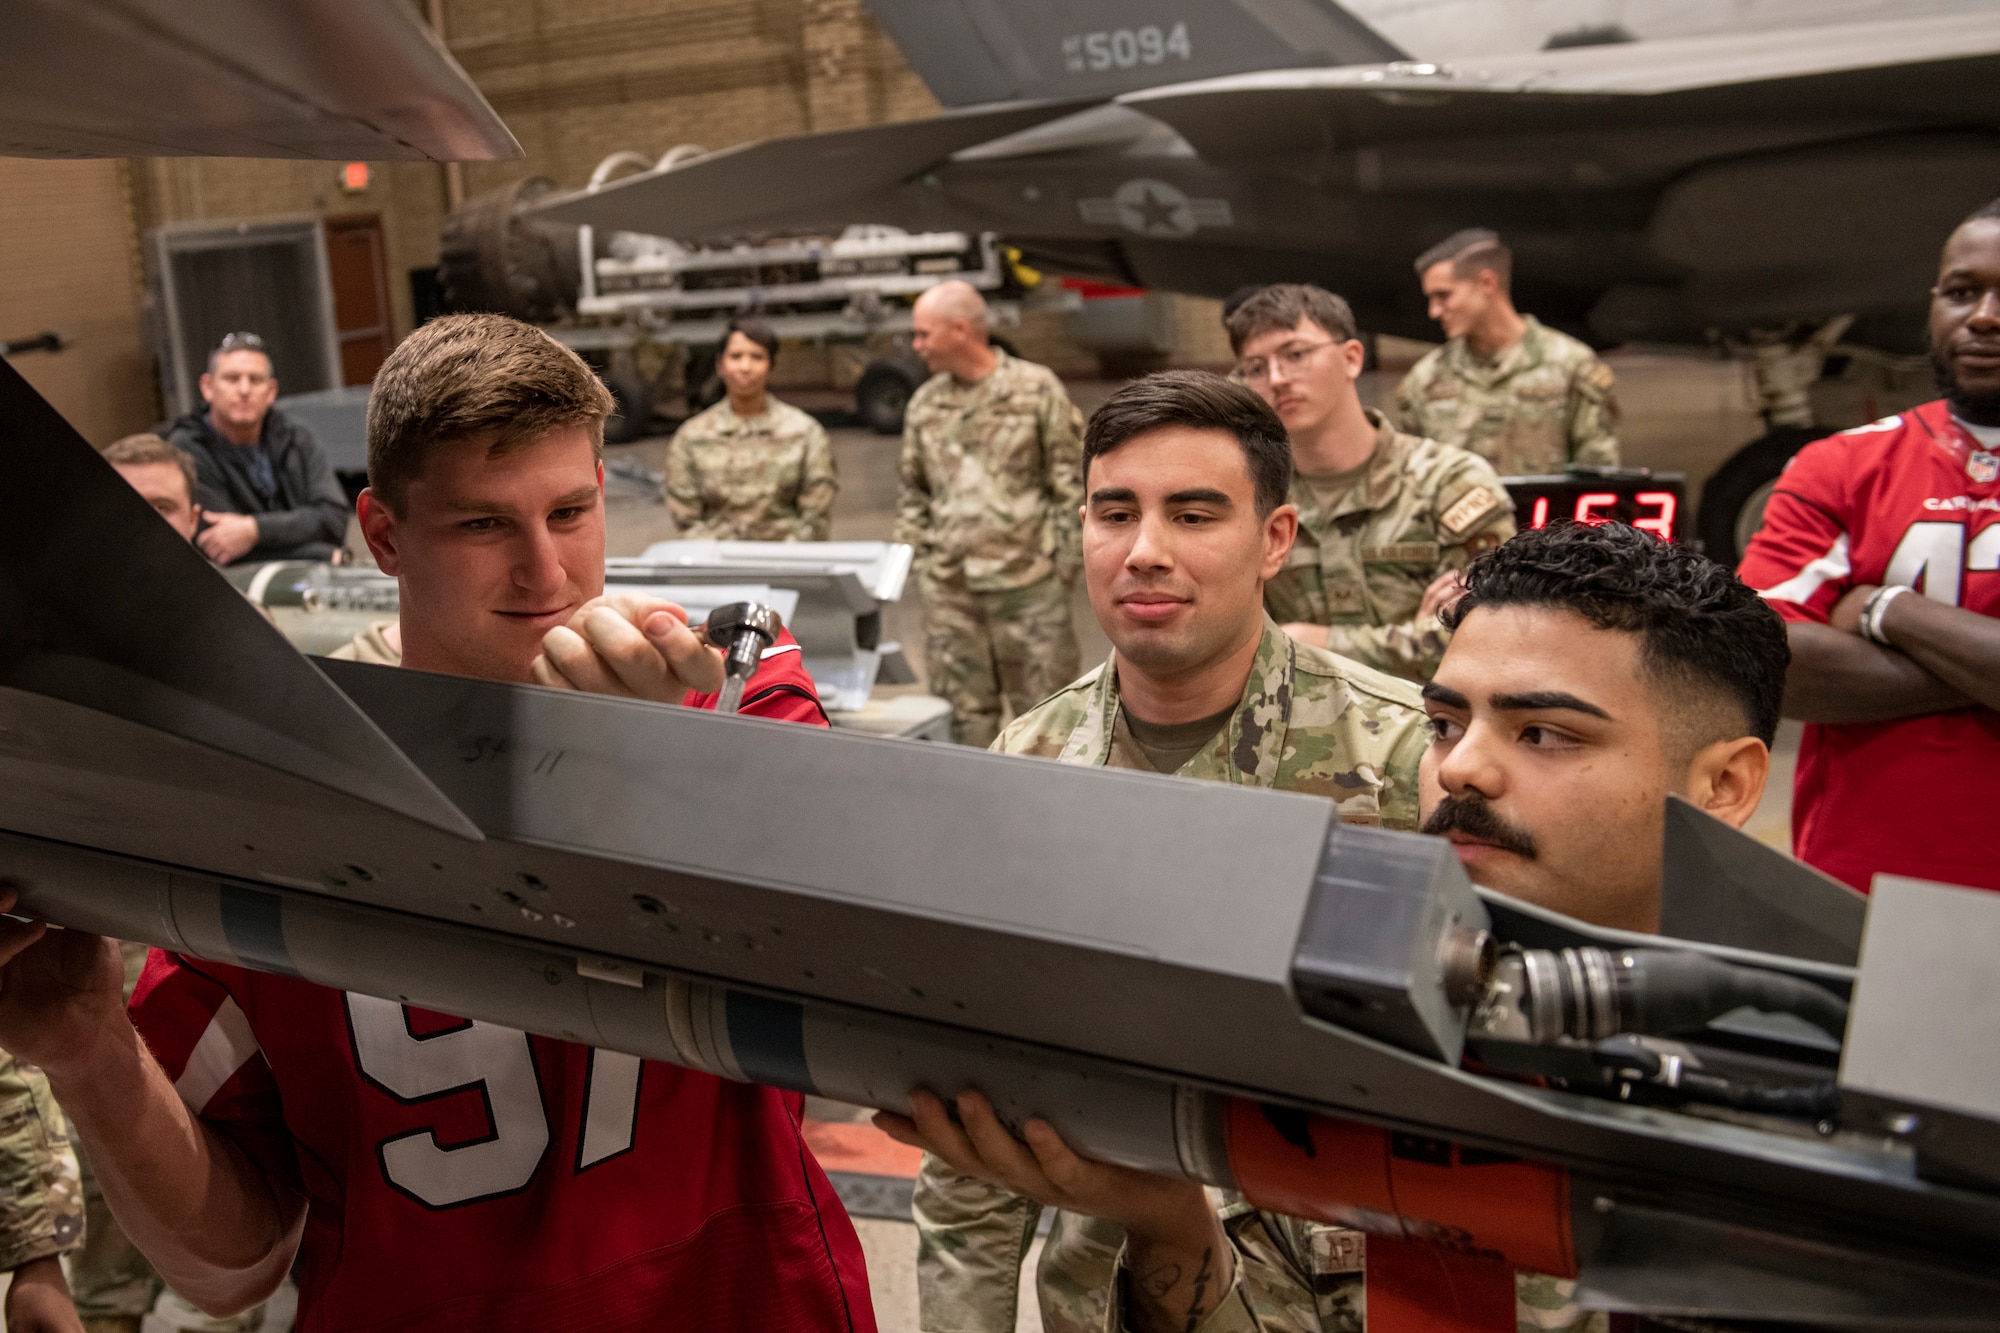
x=1157, y=1283
x=1201, y=1280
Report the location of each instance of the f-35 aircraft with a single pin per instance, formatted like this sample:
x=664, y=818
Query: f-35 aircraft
x=1682, y=171
x=1656, y=189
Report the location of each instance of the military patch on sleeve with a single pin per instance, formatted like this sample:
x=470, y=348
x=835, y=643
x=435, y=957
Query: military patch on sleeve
x=1471, y=509
x=1600, y=377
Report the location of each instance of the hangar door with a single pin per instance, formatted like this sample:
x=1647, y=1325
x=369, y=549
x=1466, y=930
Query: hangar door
x=356, y=263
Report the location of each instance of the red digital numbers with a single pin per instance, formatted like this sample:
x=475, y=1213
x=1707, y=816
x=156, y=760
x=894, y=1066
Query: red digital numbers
x=1590, y=502
x=1661, y=522
x=1657, y=511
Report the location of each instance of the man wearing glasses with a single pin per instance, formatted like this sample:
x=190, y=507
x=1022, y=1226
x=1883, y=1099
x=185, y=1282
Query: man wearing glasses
x=262, y=480
x=1386, y=520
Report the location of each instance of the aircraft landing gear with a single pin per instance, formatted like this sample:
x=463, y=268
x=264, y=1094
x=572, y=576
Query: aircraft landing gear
x=1784, y=364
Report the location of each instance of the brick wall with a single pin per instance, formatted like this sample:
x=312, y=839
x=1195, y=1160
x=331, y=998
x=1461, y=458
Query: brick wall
x=69, y=265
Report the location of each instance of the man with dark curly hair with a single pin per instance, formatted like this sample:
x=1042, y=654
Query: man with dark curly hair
x=1592, y=672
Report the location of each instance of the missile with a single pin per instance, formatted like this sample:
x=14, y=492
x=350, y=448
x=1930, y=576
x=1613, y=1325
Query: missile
x=1224, y=983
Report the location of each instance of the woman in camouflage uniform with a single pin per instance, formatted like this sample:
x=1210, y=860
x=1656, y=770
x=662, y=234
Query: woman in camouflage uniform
x=751, y=468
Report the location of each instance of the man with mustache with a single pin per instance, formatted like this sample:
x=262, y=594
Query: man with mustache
x=1899, y=768
x=1592, y=671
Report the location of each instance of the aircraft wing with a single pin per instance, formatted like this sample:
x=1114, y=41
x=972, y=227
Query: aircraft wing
x=329, y=79
x=1887, y=72
x=802, y=179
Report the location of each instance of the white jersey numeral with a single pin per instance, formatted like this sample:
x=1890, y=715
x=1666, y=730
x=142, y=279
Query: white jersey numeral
x=499, y=1064
x=1929, y=559
x=1984, y=553
x=610, y=1107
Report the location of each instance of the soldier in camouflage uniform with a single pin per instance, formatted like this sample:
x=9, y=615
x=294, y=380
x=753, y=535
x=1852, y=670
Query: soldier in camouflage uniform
x=751, y=468
x=41, y=1198
x=1366, y=558
x=1385, y=519
x=1566, y=622
x=1524, y=397
x=991, y=481
x=1176, y=578
x=1301, y=719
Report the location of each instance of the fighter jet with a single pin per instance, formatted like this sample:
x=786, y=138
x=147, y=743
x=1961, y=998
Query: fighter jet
x=1720, y=176
x=1683, y=171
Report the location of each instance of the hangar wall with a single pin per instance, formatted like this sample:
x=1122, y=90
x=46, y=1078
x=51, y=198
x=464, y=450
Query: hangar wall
x=69, y=264
x=575, y=79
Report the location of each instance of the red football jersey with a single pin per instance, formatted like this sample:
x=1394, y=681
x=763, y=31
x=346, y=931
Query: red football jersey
x=465, y=1176
x=781, y=687
x=1911, y=499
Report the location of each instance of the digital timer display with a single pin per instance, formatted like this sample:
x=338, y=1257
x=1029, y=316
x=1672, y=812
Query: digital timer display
x=1649, y=501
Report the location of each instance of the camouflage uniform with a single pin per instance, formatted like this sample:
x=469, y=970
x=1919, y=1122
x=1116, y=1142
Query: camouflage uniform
x=41, y=1191
x=767, y=478
x=1361, y=566
x=1540, y=405
x=992, y=481
x=1308, y=722
x=1292, y=1277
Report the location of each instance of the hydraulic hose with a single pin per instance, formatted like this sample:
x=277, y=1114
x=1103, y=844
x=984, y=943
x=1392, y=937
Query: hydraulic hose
x=1591, y=993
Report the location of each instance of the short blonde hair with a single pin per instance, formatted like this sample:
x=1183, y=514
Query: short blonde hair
x=474, y=377
x=144, y=449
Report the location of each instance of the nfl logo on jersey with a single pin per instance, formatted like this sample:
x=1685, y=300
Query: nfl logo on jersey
x=1982, y=467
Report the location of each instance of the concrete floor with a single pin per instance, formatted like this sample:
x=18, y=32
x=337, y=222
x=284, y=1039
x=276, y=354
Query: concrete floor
x=1681, y=413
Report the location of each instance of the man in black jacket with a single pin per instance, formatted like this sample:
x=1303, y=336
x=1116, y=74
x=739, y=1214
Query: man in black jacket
x=263, y=481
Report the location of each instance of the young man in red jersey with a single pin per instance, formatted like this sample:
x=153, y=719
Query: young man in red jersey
x=424, y=1171
x=1881, y=547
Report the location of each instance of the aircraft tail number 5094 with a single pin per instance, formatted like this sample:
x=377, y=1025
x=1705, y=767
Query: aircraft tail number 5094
x=1125, y=48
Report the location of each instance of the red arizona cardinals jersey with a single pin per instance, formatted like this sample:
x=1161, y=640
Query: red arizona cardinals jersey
x=781, y=688
x=464, y=1176
x=1911, y=499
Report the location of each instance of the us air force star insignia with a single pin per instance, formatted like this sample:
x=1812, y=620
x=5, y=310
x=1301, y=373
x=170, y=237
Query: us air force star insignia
x=1982, y=467
x=1155, y=208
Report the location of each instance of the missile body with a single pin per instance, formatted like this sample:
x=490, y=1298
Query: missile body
x=1138, y=997
x=1124, y=1114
